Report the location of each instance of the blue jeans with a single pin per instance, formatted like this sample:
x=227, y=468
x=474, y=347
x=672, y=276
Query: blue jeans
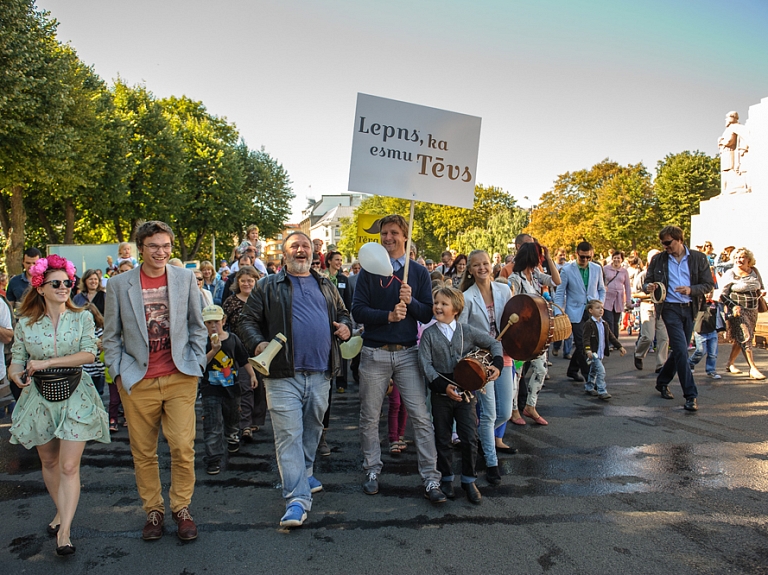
x=706, y=344
x=679, y=323
x=377, y=367
x=567, y=345
x=296, y=406
x=495, y=410
x=221, y=416
x=596, y=377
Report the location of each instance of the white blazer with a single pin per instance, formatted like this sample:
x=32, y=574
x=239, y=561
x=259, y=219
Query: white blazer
x=475, y=312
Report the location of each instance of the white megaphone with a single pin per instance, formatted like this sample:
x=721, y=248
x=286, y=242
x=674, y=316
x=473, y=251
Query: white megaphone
x=261, y=362
x=375, y=260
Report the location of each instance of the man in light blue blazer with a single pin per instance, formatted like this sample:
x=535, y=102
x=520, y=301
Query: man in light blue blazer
x=582, y=281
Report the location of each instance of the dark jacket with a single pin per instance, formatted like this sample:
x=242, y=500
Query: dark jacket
x=268, y=312
x=592, y=337
x=346, y=290
x=701, y=278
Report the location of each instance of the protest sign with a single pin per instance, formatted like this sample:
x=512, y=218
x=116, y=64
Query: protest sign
x=414, y=152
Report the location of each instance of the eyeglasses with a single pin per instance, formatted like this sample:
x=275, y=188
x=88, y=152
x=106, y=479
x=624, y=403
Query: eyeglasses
x=315, y=264
x=157, y=248
x=581, y=257
x=56, y=284
x=667, y=243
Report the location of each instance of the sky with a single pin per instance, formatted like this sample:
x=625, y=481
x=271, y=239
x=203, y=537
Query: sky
x=560, y=85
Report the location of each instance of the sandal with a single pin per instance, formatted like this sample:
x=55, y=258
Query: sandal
x=113, y=425
x=755, y=374
x=394, y=448
x=733, y=369
x=536, y=418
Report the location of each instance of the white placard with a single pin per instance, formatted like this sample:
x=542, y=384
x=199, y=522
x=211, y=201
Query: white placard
x=414, y=152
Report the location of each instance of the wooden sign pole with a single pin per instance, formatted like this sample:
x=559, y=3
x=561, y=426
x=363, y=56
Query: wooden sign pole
x=408, y=244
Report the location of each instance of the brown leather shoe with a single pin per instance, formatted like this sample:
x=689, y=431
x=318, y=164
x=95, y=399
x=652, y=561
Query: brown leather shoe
x=187, y=529
x=153, y=528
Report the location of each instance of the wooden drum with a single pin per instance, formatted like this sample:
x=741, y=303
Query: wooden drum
x=527, y=327
x=471, y=373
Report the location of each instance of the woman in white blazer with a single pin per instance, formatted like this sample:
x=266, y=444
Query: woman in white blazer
x=484, y=302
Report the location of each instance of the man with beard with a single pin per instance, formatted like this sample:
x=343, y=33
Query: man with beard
x=390, y=309
x=307, y=309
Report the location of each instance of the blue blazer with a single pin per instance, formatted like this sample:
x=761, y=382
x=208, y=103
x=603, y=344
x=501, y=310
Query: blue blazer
x=571, y=294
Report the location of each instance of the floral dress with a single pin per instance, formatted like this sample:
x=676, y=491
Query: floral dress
x=37, y=421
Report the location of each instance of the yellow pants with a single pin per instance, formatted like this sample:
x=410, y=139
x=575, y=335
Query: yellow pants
x=169, y=400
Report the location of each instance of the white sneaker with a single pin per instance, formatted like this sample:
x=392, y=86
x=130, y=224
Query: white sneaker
x=714, y=376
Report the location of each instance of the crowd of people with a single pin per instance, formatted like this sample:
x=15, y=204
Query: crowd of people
x=159, y=336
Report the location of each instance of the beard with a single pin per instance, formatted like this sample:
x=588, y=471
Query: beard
x=295, y=267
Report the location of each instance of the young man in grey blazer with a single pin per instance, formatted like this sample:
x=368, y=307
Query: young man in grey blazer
x=154, y=346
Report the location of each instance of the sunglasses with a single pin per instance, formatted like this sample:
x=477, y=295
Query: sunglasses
x=199, y=279
x=667, y=243
x=581, y=257
x=56, y=284
x=315, y=264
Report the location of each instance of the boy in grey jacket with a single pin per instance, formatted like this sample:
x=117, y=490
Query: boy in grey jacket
x=442, y=346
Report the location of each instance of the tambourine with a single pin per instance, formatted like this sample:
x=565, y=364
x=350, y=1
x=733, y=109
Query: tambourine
x=659, y=294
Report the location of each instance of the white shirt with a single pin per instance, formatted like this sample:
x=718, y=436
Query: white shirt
x=600, y=337
x=5, y=321
x=447, y=329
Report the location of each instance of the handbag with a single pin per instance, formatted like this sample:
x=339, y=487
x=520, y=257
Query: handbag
x=57, y=383
x=762, y=306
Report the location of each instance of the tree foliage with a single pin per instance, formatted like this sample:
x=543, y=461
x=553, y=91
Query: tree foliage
x=437, y=227
x=682, y=181
x=81, y=162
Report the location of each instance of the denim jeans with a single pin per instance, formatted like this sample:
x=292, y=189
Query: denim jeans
x=679, y=323
x=596, y=377
x=220, y=425
x=377, y=367
x=495, y=409
x=706, y=344
x=296, y=406
x=566, y=344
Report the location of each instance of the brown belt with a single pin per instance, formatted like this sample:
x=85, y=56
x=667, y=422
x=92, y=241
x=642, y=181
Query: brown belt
x=395, y=347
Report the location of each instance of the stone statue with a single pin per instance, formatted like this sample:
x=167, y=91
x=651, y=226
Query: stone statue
x=733, y=145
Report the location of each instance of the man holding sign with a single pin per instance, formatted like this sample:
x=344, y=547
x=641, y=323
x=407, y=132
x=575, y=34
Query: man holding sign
x=390, y=310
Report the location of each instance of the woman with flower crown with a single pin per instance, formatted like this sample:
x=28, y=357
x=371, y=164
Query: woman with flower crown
x=53, y=333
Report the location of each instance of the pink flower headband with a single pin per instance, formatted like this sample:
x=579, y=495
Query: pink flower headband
x=52, y=262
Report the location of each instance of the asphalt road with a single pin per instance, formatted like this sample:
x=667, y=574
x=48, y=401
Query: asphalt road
x=635, y=484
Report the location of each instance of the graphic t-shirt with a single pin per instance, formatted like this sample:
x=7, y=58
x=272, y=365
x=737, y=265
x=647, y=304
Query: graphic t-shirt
x=154, y=292
x=220, y=376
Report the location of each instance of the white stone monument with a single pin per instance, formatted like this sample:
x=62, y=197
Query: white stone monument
x=739, y=215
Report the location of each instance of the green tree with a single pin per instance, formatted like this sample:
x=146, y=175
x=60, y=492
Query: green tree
x=627, y=211
x=571, y=213
x=213, y=175
x=32, y=104
x=265, y=198
x=156, y=165
x=682, y=181
x=496, y=235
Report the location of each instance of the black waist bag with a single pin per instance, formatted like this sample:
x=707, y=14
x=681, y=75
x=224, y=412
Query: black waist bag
x=57, y=383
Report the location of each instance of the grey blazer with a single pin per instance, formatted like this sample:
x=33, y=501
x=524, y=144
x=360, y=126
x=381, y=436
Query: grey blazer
x=125, y=339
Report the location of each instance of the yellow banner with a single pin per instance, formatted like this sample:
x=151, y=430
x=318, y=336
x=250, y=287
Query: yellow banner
x=367, y=230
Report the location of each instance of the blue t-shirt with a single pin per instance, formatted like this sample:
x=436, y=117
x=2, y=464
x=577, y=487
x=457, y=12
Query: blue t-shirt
x=310, y=326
